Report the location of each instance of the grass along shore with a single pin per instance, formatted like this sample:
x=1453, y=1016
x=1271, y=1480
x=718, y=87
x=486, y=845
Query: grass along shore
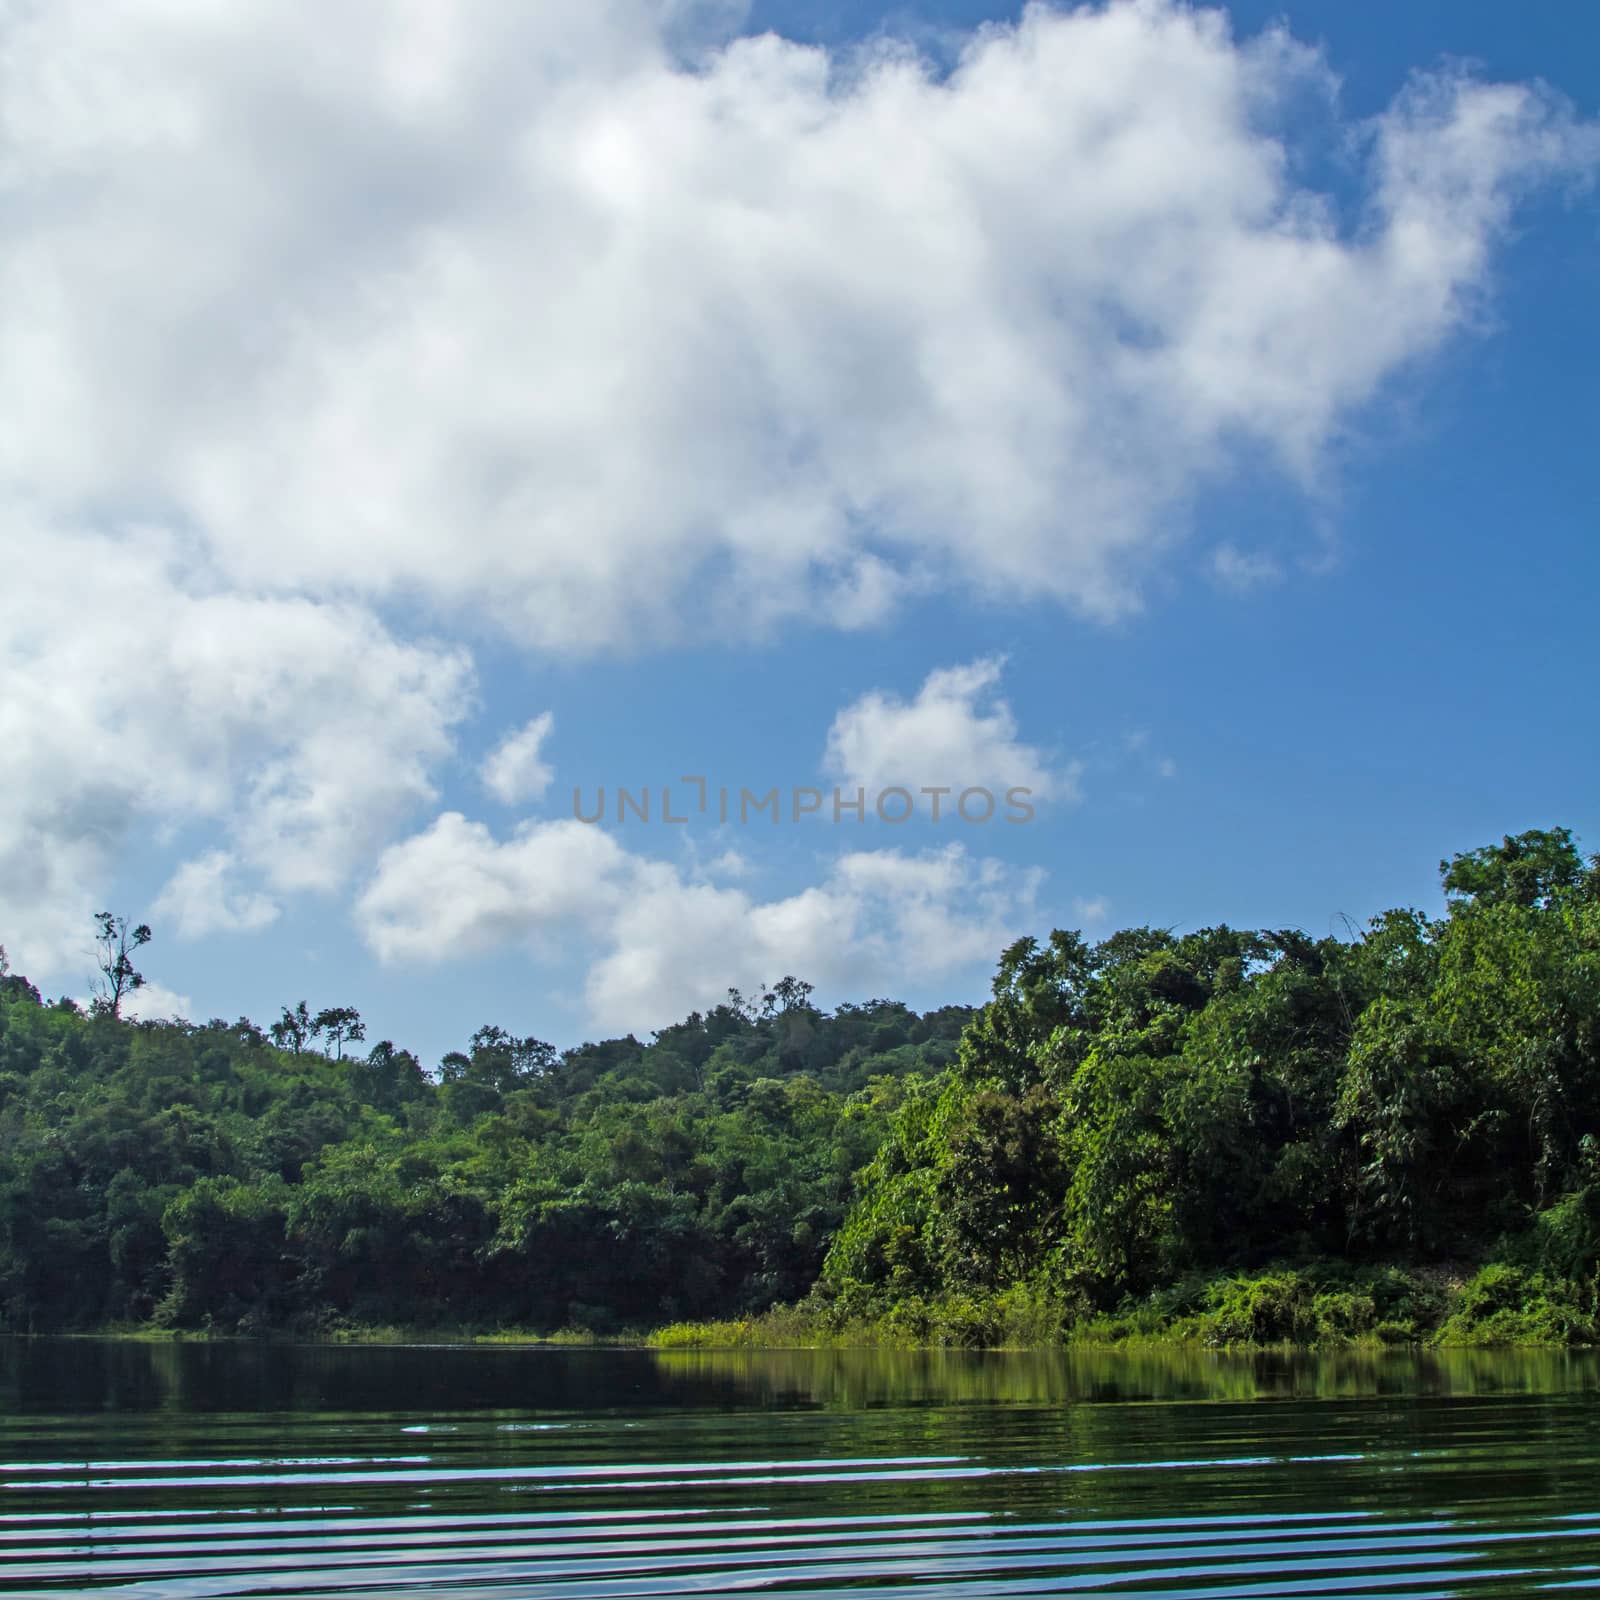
x=1327, y=1305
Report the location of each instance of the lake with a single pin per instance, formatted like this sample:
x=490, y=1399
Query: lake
x=165, y=1472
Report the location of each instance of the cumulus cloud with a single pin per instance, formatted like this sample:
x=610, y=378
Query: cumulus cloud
x=139, y=696
x=456, y=890
x=956, y=733
x=513, y=771
x=524, y=309
x=592, y=322
x=666, y=941
x=150, y=1002
x=200, y=899
x=154, y=1002
x=875, y=917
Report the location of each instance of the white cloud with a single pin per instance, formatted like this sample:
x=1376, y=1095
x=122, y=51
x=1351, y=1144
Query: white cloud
x=199, y=899
x=513, y=771
x=1093, y=911
x=522, y=309
x=150, y=1002
x=139, y=696
x=1243, y=570
x=154, y=1002
x=663, y=942
x=455, y=890
x=876, y=919
x=957, y=733
x=579, y=320
x=1166, y=767
x=680, y=945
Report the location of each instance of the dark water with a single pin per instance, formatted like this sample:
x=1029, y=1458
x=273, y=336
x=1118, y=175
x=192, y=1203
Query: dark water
x=184, y=1471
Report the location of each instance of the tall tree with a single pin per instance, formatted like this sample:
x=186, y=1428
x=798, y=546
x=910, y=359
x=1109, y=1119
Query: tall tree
x=294, y=1029
x=1525, y=869
x=115, y=943
x=337, y=1024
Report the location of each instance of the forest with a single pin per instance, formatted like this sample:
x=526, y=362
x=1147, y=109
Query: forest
x=1239, y=1136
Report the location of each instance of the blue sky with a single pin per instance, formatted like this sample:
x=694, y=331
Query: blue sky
x=633, y=383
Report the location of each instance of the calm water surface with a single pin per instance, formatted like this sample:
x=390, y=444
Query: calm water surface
x=179, y=1471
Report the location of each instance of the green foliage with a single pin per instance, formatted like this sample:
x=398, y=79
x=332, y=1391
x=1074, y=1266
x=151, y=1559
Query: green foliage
x=202, y=1177
x=1528, y=869
x=115, y=943
x=1225, y=1136
x=1327, y=1304
x=1505, y=1304
x=1126, y=1115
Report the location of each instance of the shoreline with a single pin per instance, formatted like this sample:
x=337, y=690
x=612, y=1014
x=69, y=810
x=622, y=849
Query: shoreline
x=712, y=1341
x=1314, y=1307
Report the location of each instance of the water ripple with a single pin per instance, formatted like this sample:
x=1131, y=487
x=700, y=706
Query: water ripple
x=1385, y=1498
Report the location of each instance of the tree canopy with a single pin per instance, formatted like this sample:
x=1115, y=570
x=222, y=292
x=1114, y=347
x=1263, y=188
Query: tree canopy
x=1119, y=1115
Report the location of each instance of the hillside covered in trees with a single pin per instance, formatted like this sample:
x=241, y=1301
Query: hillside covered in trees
x=206, y=1176
x=1284, y=1135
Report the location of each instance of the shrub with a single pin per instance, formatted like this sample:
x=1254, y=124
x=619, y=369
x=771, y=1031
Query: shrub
x=1273, y=1309
x=1505, y=1304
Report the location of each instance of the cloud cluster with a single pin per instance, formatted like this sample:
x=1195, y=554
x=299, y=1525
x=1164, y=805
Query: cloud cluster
x=201, y=898
x=515, y=771
x=512, y=308
x=665, y=939
x=154, y=1002
x=140, y=701
x=661, y=937
x=590, y=321
x=955, y=733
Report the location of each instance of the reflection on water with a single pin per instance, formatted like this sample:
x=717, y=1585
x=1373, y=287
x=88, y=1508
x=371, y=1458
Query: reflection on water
x=857, y=1378
x=179, y=1471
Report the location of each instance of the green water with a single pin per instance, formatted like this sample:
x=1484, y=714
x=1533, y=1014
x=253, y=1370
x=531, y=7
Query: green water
x=165, y=1472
